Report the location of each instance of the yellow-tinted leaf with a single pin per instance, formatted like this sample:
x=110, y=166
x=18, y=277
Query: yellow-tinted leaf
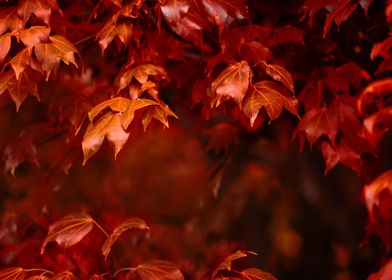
x=23, y=59
x=270, y=96
x=26, y=85
x=118, y=104
x=108, y=126
x=133, y=106
x=278, y=73
x=256, y=274
x=5, y=45
x=13, y=273
x=132, y=223
x=233, y=83
x=50, y=54
x=160, y=113
x=33, y=35
x=9, y=20
x=5, y=78
x=40, y=8
x=158, y=269
x=141, y=73
x=112, y=29
x=68, y=231
x=226, y=264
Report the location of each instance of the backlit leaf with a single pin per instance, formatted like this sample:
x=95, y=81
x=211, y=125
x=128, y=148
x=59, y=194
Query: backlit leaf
x=159, y=269
x=257, y=274
x=33, y=35
x=68, y=231
x=5, y=45
x=233, y=83
x=40, y=8
x=9, y=20
x=50, y=54
x=23, y=59
x=227, y=262
x=13, y=273
x=110, y=30
x=140, y=73
x=66, y=275
x=278, y=73
x=132, y=223
x=270, y=96
x=108, y=126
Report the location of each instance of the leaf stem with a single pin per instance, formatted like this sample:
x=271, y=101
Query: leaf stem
x=123, y=269
x=39, y=269
x=104, y=231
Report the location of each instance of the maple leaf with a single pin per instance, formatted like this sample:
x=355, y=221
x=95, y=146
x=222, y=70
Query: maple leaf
x=33, y=35
x=134, y=105
x=40, y=8
x=186, y=18
x=132, y=223
x=38, y=277
x=140, y=73
x=382, y=49
x=112, y=29
x=66, y=275
x=314, y=124
x=5, y=45
x=256, y=274
x=68, y=231
x=340, y=13
x=278, y=73
x=13, y=273
x=270, y=96
x=233, y=82
x=159, y=269
x=109, y=126
x=97, y=277
x=160, y=113
x=19, y=89
x=50, y=54
x=224, y=12
x=9, y=20
x=23, y=59
x=255, y=52
x=226, y=264
x=348, y=151
x=344, y=109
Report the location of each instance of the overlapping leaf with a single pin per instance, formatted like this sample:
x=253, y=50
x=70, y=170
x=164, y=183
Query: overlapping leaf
x=227, y=262
x=132, y=223
x=270, y=96
x=186, y=18
x=316, y=123
x=112, y=29
x=40, y=8
x=9, y=20
x=68, y=231
x=233, y=83
x=66, y=275
x=278, y=73
x=50, y=54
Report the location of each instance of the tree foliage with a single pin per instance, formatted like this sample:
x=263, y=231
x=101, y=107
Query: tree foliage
x=204, y=103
